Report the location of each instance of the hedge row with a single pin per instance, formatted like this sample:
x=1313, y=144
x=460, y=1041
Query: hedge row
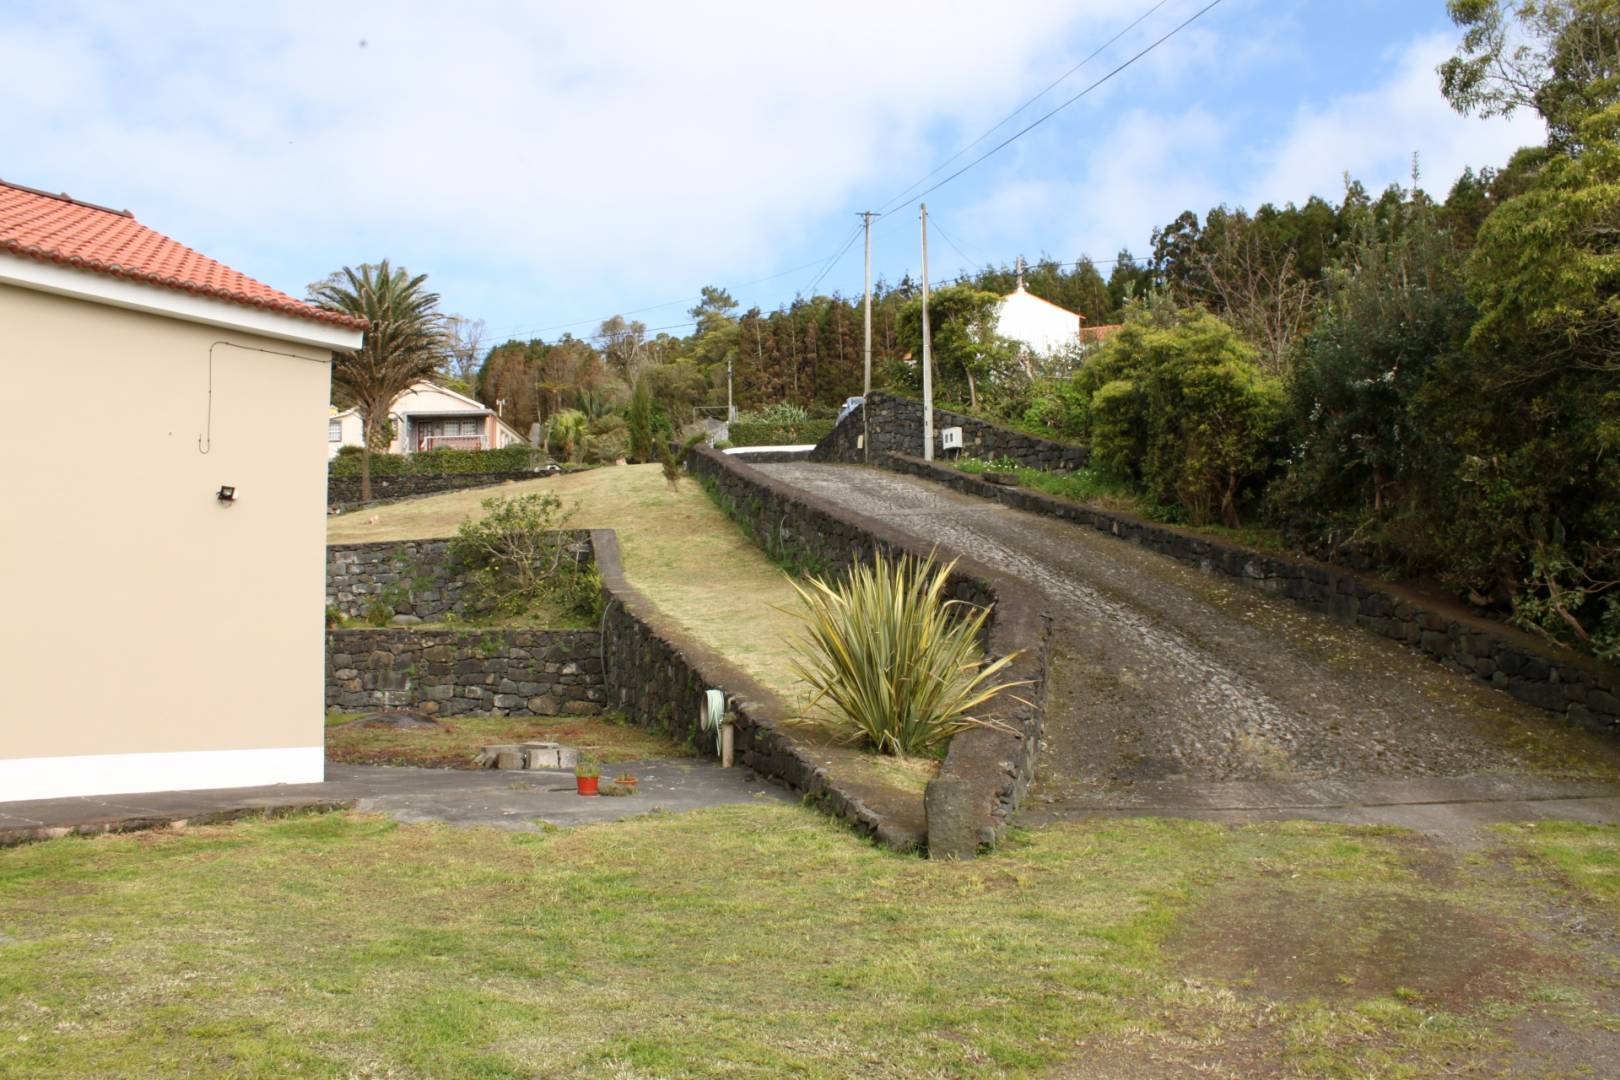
x=440, y=462
x=754, y=433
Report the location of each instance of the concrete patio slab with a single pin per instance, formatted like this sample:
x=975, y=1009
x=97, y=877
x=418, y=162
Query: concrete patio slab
x=504, y=799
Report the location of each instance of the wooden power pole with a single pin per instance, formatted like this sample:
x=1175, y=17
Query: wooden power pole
x=927, y=356
x=866, y=384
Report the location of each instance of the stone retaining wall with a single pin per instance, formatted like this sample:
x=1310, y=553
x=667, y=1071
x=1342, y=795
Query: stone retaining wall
x=343, y=492
x=412, y=577
x=987, y=770
x=894, y=426
x=770, y=457
x=448, y=672
x=656, y=674
x=1575, y=686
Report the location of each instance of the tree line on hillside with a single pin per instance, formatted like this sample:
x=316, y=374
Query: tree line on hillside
x=1432, y=385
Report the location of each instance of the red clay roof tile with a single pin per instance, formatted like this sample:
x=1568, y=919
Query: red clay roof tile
x=56, y=228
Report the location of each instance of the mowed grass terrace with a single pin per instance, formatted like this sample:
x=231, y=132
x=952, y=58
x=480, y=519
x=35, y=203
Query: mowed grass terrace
x=768, y=941
x=678, y=548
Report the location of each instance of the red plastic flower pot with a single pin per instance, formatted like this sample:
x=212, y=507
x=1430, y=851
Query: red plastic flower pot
x=587, y=784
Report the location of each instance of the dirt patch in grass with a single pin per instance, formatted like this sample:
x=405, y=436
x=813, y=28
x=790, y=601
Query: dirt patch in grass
x=454, y=742
x=1285, y=944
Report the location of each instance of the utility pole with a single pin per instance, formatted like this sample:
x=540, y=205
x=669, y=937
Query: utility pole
x=731, y=410
x=927, y=356
x=866, y=385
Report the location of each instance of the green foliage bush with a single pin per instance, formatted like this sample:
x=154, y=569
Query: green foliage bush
x=439, y=462
x=892, y=664
x=781, y=414
x=765, y=433
x=1176, y=405
x=516, y=554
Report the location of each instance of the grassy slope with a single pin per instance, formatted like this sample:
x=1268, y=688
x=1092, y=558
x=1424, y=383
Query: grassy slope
x=678, y=548
x=767, y=941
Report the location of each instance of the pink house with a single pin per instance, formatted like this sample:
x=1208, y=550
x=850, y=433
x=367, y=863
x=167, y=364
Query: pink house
x=429, y=417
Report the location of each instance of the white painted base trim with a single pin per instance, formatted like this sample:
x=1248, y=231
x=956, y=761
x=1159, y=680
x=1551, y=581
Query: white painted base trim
x=133, y=774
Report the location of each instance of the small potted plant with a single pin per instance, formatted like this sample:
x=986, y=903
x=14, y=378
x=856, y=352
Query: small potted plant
x=627, y=781
x=586, y=776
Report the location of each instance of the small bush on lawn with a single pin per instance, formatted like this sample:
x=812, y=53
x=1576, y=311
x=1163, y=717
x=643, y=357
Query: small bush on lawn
x=892, y=664
x=516, y=554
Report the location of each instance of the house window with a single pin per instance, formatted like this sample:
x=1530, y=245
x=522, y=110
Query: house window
x=334, y=431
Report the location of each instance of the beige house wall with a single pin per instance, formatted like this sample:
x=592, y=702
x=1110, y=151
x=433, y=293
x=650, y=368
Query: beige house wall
x=143, y=616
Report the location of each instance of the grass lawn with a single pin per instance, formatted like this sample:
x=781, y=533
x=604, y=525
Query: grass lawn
x=459, y=738
x=678, y=549
x=767, y=941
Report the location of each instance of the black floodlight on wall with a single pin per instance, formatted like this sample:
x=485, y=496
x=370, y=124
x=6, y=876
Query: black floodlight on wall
x=227, y=494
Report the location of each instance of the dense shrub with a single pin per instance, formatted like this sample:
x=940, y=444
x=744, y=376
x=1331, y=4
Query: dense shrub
x=1176, y=406
x=762, y=433
x=518, y=554
x=441, y=462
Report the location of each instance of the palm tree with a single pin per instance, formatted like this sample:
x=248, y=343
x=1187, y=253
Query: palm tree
x=406, y=342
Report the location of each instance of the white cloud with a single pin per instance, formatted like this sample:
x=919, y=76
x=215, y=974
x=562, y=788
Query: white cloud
x=538, y=159
x=612, y=141
x=1372, y=136
x=1140, y=167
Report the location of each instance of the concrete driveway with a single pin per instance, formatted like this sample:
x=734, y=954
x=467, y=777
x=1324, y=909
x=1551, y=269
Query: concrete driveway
x=1175, y=692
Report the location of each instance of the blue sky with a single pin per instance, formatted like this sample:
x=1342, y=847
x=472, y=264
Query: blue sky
x=552, y=165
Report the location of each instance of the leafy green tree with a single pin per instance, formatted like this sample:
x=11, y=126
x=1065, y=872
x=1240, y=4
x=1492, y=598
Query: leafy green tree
x=1129, y=280
x=405, y=343
x=1558, y=57
x=567, y=433
x=1177, y=405
x=640, y=418
x=1544, y=271
x=715, y=308
x=1392, y=309
x=968, y=353
x=1534, y=404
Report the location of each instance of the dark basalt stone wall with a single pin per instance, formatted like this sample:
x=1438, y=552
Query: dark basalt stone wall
x=893, y=425
x=446, y=672
x=413, y=577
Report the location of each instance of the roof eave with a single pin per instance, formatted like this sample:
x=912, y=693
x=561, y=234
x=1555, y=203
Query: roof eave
x=192, y=305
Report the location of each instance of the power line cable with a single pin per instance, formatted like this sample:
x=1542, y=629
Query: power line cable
x=832, y=262
x=1132, y=25
x=514, y=333
x=1043, y=118
x=934, y=221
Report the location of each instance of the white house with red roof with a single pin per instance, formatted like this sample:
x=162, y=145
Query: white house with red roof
x=428, y=416
x=1043, y=327
x=165, y=565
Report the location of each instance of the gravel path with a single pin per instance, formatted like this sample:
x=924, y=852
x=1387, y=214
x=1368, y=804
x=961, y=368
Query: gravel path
x=1163, y=675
